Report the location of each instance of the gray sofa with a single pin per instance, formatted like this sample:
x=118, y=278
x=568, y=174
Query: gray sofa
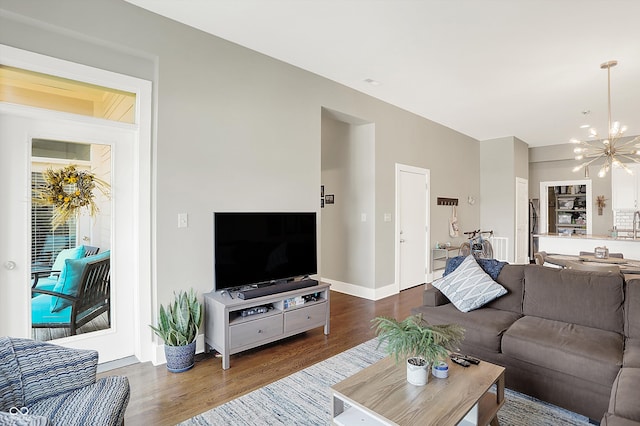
x=46, y=384
x=571, y=338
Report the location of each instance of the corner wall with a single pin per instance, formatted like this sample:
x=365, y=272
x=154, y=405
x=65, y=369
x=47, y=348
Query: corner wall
x=348, y=174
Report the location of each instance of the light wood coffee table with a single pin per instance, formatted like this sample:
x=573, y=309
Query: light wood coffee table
x=381, y=395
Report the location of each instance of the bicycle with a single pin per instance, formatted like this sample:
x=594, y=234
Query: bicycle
x=477, y=245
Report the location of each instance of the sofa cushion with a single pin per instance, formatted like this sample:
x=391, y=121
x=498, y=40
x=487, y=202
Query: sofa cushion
x=512, y=278
x=491, y=266
x=631, y=356
x=469, y=287
x=625, y=394
x=72, y=253
x=632, y=307
x=69, y=281
x=591, y=299
x=103, y=402
x=612, y=420
x=588, y=353
x=484, y=327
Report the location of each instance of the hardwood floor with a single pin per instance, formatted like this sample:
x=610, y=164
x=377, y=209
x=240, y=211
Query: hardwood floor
x=159, y=397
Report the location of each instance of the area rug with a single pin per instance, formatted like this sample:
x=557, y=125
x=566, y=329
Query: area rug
x=303, y=398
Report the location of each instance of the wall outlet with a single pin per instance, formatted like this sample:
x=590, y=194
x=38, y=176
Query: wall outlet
x=387, y=217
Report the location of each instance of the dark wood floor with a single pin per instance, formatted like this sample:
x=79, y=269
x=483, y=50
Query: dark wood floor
x=162, y=398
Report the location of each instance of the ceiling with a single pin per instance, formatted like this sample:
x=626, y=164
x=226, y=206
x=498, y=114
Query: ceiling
x=486, y=68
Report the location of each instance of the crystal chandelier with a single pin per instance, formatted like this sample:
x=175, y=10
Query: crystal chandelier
x=611, y=149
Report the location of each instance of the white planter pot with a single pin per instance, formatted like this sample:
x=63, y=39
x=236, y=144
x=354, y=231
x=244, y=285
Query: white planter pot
x=417, y=374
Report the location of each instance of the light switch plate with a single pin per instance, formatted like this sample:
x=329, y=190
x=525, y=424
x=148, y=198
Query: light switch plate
x=183, y=220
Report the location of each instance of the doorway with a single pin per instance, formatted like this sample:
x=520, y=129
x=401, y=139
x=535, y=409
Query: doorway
x=566, y=207
x=412, y=226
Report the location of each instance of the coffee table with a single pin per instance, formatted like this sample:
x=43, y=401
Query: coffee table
x=381, y=395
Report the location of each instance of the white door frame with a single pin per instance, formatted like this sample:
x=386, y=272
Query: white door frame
x=142, y=213
x=396, y=236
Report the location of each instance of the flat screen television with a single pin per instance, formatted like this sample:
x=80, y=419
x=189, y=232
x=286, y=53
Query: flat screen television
x=262, y=248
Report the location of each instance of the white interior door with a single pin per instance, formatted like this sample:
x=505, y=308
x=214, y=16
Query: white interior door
x=14, y=229
x=522, y=221
x=18, y=126
x=412, y=226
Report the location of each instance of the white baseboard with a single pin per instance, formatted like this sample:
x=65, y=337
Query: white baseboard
x=363, y=292
x=158, y=351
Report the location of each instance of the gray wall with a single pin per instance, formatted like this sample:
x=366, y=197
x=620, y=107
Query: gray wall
x=236, y=130
x=501, y=160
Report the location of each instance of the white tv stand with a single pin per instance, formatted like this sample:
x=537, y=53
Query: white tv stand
x=228, y=332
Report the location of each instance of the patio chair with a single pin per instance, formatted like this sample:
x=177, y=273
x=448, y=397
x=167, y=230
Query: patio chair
x=81, y=294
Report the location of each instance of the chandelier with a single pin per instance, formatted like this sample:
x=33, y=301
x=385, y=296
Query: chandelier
x=611, y=149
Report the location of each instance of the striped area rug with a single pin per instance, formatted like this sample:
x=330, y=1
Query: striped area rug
x=303, y=398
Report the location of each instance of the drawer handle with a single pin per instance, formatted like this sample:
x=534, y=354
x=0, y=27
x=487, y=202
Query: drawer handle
x=308, y=316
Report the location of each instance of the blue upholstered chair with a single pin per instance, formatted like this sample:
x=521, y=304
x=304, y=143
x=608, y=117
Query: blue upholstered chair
x=48, y=384
x=82, y=293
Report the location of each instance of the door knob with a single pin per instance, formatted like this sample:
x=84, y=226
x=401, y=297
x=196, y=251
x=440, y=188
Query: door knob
x=10, y=265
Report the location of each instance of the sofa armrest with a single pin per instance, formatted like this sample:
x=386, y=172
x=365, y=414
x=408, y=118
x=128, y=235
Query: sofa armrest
x=433, y=297
x=48, y=370
x=632, y=306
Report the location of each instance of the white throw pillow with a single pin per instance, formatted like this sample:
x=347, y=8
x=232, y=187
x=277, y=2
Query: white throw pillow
x=469, y=287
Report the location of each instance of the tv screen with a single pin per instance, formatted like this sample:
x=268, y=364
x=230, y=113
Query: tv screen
x=256, y=248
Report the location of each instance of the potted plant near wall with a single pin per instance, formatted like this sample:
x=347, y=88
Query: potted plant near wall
x=420, y=343
x=178, y=326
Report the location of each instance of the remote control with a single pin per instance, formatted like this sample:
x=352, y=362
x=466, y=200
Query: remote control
x=468, y=358
x=460, y=361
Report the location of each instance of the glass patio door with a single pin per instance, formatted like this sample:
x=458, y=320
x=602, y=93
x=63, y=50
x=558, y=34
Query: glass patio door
x=18, y=128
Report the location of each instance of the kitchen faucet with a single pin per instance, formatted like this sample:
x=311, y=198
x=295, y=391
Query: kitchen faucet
x=636, y=219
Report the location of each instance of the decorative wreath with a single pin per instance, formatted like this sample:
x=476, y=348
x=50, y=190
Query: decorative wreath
x=68, y=190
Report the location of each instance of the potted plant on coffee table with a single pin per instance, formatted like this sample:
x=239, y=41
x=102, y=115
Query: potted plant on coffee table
x=178, y=326
x=420, y=343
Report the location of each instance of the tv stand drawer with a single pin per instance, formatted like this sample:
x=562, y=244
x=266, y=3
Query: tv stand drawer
x=256, y=331
x=305, y=318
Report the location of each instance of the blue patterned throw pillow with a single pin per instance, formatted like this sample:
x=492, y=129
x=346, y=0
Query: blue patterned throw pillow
x=469, y=287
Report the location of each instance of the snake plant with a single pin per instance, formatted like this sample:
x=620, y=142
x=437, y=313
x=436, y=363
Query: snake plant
x=178, y=324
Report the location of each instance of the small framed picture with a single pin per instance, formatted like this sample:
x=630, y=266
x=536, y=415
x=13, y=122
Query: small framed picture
x=329, y=198
x=321, y=190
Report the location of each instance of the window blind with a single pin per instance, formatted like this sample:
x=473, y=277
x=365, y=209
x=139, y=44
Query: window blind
x=45, y=242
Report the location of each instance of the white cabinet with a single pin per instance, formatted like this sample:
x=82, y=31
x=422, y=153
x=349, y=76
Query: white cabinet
x=625, y=188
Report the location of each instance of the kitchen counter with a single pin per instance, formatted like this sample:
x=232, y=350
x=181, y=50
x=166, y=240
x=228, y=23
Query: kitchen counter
x=588, y=237
x=574, y=244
